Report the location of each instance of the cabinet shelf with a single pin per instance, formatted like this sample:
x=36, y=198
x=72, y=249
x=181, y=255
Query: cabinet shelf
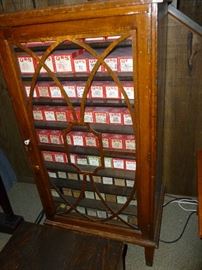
x=94, y=204
x=77, y=102
x=100, y=76
x=88, y=150
x=103, y=128
x=110, y=172
x=77, y=184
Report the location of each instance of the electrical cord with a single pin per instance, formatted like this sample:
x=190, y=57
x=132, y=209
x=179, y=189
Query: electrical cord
x=181, y=234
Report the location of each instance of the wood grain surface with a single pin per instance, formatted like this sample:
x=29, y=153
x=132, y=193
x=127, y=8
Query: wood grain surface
x=45, y=247
x=183, y=115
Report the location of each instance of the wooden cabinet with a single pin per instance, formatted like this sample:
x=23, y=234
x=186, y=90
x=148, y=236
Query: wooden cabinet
x=87, y=86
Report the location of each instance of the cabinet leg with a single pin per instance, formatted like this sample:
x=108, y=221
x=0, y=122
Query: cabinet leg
x=149, y=255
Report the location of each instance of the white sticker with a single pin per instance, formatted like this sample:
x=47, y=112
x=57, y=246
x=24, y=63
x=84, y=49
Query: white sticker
x=55, y=92
x=89, y=195
x=26, y=64
x=126, y=65
x=59, y=158
x=78, y=140
x=118, y=164
x=121, y=199
x=62, y=175
x=52, y=174
x=70, y=90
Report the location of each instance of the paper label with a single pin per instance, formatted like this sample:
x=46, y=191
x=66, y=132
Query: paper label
x=70, y=90
x=130, y=144
x=112, y=92
x=62, y=175
x=107, y=180
x=59, y=158
x=80, y=65
x=88, y=117
x=49, y=115
x=48, y=63
x=121, y=199
x=89, y=195
x=26, y=64
x=38, y=115
x=63, y=63
x=90, y=141
x=78, y=140
x=55, y=92
x=112, y=63
x=130, y=165
x=92, y=63
x=126, y=65
x=127, y=119
x=52, y=174
x=61, y=116
x=97, y=92
x=43, y=91
x=115, y=118
x=117, y=143
x=43, y=138
x=118, y=164
x=100, y=117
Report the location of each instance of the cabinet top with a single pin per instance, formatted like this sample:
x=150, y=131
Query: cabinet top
x=80, y=10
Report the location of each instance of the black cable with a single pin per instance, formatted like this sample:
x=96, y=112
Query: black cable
x=181, y=234
x=39, y=217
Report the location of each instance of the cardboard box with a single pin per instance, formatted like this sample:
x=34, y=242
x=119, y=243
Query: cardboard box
x=116, y=142
x=101, y=115
x=56, y=137
x=108, y=162
x=116, y=116
x=106, y=140
x=81, y=63
x=43, y=90
x=69, y=139
x=112, y=91
x=129, y=89
x=119, y=182
x=49, y=113
x=48, y=156
x=112, y=61
x=60, y=157
x=89, y=195
x=43, y=136
x=97, y=90
x=49, y=63
x=130, y=165
x=127, y=120
x=107, y=180
x=52, y=174
x=118, y=163
x=94, y=161
x=70, y=89
x=89, y=115
x=38, y=113
x=81, y=160
x=129, y=142
x=61, y=114
x=55, y=91
x=73, y=158
x=63, y=60
x=77, y=138
x=62, y=175
x=121, y=199
x=91, y=140
x=26, y=64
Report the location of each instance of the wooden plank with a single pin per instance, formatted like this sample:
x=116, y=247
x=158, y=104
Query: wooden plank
x=199, y=177
x=183, y=115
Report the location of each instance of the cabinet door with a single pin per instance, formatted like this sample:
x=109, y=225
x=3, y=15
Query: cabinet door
x=83, y=102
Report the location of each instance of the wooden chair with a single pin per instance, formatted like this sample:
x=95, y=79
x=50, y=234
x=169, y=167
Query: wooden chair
x=37, y=247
